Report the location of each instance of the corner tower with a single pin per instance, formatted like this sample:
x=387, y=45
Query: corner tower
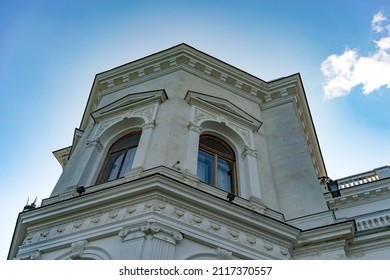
x=182, y=156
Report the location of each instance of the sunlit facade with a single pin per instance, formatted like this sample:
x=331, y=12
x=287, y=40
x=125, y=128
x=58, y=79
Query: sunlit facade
x=182, y=156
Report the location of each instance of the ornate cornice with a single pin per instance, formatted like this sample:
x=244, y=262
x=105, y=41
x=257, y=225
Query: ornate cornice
x=185, y=216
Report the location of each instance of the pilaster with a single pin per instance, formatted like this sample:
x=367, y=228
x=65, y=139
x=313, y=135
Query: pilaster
x=133, y=239
x=252, y=186
x=192, y=147
x=164, y=241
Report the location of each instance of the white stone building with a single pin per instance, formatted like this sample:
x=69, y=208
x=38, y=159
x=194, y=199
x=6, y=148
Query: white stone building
x=182, y=156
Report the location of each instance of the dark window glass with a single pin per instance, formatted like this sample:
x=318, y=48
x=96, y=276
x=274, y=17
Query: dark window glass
x=216, y=163
x=120, y=158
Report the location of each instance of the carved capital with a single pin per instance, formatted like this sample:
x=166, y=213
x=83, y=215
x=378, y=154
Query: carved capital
x=148, y=125
x=159, y=228
x=95, y=143
x=248, y=151
x=194, y=127
x=134, y=231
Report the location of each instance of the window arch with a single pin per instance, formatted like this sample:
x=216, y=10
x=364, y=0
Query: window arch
x=217, y=163
x=120, y=157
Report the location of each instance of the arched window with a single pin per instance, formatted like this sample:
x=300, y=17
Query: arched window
x=216, y=163
x=120, y=158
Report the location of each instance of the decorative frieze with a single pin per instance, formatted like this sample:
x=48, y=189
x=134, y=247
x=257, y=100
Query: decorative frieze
x=34, y=255
x=189, y=60
x=193, y=219
x=372, y=222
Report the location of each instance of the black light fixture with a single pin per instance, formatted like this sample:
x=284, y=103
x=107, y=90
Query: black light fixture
x=230, y=196
x=80, y=190
x=176, y=165
x=333, y=187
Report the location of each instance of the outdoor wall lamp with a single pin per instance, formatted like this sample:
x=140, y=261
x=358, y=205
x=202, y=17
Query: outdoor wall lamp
x=332, y=185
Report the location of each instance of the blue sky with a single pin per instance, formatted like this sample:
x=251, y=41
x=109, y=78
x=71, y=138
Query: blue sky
x=50, y=52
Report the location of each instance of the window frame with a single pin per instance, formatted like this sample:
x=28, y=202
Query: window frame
x=216, y=154
x=110, y=152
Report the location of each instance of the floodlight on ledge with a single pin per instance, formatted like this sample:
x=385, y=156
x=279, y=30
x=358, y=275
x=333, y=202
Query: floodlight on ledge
x=333, y=187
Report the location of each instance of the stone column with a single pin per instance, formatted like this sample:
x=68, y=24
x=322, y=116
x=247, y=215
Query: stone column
x=133, y=239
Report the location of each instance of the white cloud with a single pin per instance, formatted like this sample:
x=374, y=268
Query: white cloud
x=376, y=23
x=345, y=71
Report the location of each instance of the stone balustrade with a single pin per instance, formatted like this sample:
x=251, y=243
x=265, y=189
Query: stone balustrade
x=356, y=180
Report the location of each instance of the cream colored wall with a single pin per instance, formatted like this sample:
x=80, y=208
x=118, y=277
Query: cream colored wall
x=297, y=189
x=287, y=180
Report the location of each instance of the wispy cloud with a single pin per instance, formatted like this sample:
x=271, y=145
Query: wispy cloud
x=345, y=71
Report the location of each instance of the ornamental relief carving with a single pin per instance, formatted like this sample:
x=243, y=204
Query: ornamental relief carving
x=78, y=248
x=102, y=126
x=223, y=254
x=184, y=214
x=95, y=143
x=202, y=115
x=35, y=255
x=146, y=113
x=248, y=151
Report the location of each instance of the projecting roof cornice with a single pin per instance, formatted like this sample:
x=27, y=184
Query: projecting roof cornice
x=184, y=57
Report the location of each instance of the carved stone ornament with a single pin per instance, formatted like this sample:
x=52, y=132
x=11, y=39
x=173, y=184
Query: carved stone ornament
x=223, y=254
x=95, y=143
x=78, y=248
x=248, y=151
x=243, y=132
x=159, y=228
x=35, y=255
x=201, y=115
x=188, y=216
x=146, y=113
x=142, y=228
x=148, y=125
x=268, y=246
x=194, y=127
x=284, y=252
x=28, y=239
